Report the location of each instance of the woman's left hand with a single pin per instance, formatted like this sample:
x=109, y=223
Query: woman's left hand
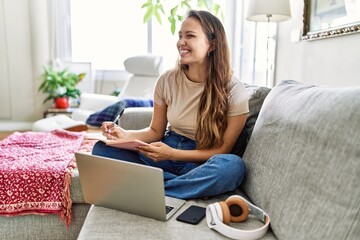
x=157, y=151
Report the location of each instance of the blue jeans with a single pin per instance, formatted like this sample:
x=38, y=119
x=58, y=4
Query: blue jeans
x=219, y=174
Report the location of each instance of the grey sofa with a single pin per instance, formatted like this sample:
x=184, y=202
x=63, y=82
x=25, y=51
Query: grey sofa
x=303, y=168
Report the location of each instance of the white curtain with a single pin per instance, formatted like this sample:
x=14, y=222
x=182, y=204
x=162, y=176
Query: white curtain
x=60, y=31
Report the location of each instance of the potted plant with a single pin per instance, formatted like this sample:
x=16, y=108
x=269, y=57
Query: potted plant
x=60, y=85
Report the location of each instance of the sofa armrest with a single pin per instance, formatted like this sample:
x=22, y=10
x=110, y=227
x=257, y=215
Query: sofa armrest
x=90, y=103
x=95, y=102
x=81, y=114
x=136, y=117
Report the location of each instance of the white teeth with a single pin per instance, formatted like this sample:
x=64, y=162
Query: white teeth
x=184, y=51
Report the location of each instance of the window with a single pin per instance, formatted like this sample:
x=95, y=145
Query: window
x=106, y=32
x=259, y=57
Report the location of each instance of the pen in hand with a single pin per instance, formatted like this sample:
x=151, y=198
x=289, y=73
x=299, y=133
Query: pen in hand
x=115, y=120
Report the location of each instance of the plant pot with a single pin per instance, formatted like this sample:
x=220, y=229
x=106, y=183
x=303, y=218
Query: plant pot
x=61, y=102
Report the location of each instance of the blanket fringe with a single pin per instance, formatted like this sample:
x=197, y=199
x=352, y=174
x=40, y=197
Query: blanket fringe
x=67, y=202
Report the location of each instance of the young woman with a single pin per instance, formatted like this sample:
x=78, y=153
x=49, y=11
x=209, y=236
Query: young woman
x=199, y=111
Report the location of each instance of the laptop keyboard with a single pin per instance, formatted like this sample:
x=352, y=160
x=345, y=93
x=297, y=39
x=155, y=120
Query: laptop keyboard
x=168, y=209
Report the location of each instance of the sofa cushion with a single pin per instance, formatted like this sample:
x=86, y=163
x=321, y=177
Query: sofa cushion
x=75, y=188
x=105, y=223
x=303, y=161
x=257, y=95
x=145, y=65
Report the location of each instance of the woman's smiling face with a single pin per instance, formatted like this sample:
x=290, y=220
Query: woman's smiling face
x=193, y=45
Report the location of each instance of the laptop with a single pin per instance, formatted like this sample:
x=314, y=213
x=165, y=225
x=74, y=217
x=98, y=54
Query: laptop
x=129, y=187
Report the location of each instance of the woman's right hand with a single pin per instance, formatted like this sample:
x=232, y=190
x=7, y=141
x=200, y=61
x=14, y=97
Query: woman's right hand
x=112, y=131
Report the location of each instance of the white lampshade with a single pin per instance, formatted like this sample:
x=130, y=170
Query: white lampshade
x=269, y=10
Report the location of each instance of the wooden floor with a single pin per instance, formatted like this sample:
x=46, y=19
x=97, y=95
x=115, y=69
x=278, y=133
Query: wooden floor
x=4, y=135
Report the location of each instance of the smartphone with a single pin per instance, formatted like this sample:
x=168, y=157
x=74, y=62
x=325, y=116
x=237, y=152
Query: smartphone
x=193, y=215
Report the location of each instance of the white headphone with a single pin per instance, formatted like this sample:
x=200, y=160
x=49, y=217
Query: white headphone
x=235, y=209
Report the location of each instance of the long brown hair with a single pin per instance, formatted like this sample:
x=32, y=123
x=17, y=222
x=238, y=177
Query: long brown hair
x=213, y=105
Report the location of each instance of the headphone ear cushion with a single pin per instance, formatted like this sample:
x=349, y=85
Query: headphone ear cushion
x=238, y=209
x=225, y=212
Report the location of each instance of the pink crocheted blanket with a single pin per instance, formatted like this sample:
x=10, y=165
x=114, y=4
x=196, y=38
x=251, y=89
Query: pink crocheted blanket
x=35, y=172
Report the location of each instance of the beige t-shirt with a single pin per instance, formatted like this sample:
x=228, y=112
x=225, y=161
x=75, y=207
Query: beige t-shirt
x=181, y=96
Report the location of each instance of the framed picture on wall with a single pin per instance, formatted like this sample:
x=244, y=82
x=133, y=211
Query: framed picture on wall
x=330, y=18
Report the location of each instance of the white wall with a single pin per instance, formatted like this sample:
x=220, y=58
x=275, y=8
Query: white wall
x=24, y=50
x=330, y=62
x=5, y=108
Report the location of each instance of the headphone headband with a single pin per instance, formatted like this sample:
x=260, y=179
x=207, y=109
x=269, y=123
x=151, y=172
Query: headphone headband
x=214, y=219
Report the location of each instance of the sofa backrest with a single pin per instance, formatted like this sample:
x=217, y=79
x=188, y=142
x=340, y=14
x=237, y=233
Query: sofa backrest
x=145, y=70
x=257, y=96
x=303, y=161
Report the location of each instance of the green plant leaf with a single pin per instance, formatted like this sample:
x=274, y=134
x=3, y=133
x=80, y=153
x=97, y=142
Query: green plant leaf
x=147, y=4
x=185, y=4
x=161, y=9
x=173, y=25
x=48, y=98
x=148, y=14
x=158, y=17
x=174, y=10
